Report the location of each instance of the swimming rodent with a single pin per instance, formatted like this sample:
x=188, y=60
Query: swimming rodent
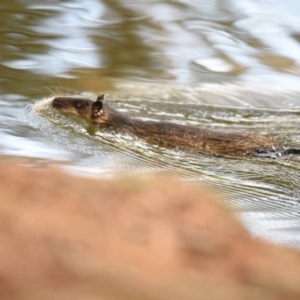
x=170, y=134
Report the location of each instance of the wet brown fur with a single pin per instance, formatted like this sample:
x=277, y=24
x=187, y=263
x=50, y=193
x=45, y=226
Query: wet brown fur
x=167, y=134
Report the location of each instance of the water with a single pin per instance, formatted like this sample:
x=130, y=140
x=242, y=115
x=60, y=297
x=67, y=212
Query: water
x=227, y=65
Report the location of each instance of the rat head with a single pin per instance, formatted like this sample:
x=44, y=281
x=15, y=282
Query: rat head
x=76, y=106
x=98, y=112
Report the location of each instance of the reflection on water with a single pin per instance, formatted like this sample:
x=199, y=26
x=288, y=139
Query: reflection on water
x=228, y=65
x=182, y=40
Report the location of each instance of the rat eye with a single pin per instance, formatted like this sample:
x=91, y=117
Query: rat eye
x=78, y=105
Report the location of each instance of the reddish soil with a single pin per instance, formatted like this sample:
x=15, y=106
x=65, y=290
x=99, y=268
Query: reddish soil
x=64, y=237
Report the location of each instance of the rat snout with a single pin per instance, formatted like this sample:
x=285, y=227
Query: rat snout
x=58, y=102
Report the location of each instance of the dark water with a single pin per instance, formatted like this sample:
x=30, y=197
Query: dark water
x=227, y=65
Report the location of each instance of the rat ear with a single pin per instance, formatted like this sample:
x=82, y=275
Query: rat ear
x=97, y=108
x=100, y=98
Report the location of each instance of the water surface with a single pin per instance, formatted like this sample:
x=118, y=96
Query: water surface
x=225, y=65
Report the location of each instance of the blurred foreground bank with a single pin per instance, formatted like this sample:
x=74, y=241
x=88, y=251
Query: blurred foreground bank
x=64, y=237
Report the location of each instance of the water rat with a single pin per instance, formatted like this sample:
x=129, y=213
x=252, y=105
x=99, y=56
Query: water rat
x=171, y=134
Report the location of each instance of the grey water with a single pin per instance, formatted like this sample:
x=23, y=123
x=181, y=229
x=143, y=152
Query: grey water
x=226, y=65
